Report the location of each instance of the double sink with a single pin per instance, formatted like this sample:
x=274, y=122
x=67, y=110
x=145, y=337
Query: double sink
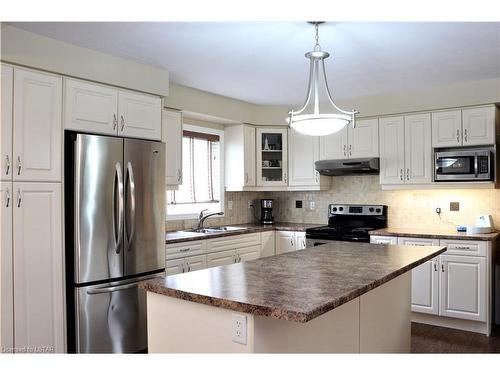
x=214, y=229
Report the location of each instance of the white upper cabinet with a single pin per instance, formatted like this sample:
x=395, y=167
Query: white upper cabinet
x=6, y=274
x=463, y=287
x=303, y=152
x=139, y=115
x=172, y=136
x=418, y=149
x=392, y=150
x=363, y=139
x=447, y=129
x=90, y=107
x=38, y=266
x=6, y=98
x=272, y=156
x=333, y=146
x=239, y=151
x=37, y=135
x=479, y=126
x=101, y=109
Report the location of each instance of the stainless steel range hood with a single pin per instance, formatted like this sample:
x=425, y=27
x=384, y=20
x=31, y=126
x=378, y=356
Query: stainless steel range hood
x=346, y=167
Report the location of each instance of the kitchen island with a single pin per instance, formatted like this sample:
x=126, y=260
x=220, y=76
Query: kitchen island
x=337, y=297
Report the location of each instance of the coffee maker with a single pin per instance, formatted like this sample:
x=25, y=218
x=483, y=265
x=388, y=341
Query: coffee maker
x=266, y=211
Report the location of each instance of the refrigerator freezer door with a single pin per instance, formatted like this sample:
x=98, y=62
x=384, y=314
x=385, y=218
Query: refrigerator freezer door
x=99, y=206
x=111, y=317
x=144, y=224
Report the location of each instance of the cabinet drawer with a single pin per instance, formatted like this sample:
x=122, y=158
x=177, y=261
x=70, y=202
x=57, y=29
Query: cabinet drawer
x=464, y=247
x=233, y=242
x=184, y=249
x=384, y=240
x=410, y=241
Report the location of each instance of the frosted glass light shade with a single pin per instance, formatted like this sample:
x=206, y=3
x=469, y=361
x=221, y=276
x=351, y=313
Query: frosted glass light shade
x=319, y=124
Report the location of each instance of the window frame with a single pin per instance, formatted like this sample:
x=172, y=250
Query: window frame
x=206, y=130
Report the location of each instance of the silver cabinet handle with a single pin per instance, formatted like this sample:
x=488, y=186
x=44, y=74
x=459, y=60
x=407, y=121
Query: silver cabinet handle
x=246, y=177
x=465, y=135
x=118, y=221
x=235, y=259
x=463, y=247
x=435, y=267
x=188, y=266
x=18, y=165
x=122, y=122
x=304, y=243
x=18, y=198
x=115, y=121
x=407, y=174
x=284, y=176
x=186, y=249
x=7, y=166
x=317, y=176
x=183, y=269
x=345, y=150
x=458, y=136
x=179, y=175
x=7, y=198
x=401, y=174
x=442, y=267
x=131, y=190
x=112, y=289
x=350, y=150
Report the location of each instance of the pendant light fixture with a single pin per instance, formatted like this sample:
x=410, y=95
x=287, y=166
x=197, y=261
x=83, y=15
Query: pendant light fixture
x=311, y=119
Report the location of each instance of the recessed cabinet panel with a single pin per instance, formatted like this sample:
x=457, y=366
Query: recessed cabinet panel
x=6, y=99
x=90, y=107
x=418, y=150
x=447, y=129
x=140, y=115
x=248, y=253
x=363, y=139
x=392, y=150
x=37, y=126
x=174, y=266
x=172, y=136
x=221, y=258
x=333, y=146
x=479, y=126
x=195, y=263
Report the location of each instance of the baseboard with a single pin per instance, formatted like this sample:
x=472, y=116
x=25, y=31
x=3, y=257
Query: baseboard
x=443, y=321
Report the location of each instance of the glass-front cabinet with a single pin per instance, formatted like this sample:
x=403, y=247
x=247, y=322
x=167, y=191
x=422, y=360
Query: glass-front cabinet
x=272, y=161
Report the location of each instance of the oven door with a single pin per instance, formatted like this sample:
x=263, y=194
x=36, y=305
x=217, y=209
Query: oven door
x=311, y=242
x=472, y=165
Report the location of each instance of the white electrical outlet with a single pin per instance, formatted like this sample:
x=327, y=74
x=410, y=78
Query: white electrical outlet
x=250, y=203
x=312, y=205
x=229, y=205
x=240, y=329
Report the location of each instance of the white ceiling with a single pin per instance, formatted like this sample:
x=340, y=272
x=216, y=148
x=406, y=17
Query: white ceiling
x=263, y=62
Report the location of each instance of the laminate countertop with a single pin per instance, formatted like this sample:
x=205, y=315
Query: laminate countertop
x=297, y=286
x=449, y=235
x=182, y=236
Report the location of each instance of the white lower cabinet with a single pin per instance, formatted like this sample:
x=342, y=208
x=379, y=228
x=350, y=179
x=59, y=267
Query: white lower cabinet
x=463, y=287
x=267, y=244
x=221, y=258
x=174, y=266
x=287, y=241
x=300, y=240
x=38, y=266
x=182, y=265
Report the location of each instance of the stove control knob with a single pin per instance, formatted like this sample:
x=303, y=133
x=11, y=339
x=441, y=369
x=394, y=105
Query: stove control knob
x=370, y=209
x=334, y=209
x=378, y=210
x=341, y=208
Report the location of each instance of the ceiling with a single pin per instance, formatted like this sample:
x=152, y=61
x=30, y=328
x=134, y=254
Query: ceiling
x=263, y=62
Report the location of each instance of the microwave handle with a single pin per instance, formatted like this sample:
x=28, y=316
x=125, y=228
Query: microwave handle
x=476, y=165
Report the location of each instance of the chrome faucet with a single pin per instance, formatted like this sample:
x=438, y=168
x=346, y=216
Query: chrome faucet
x=202, y=218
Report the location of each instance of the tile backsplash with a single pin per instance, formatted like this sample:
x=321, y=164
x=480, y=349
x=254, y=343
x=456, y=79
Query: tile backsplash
x=407, y=208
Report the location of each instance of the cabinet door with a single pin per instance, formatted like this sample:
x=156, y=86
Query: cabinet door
x=447, y=129
x=140, y=115
x=300, y=240
x=479, y=126
x=38, y=266
x=221, y=258
x=272, y=157
x=172, y=136
x=267, y=244
x=6, y=267
x=196, y=263
x=303, y=152
x=249, y=155
x=392, y=150
x=89, y=107
x=248, y=253
x=6, y=98
x=37, y=126
x=363, y=139
x=333, y=146
x=285, y=242
x=384, y=240
x=174, y=266
x=463, y=287
x=418, y=149
x=424, y=279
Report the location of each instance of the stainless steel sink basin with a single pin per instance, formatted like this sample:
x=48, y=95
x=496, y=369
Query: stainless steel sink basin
x=227, y=228
x=215, y=229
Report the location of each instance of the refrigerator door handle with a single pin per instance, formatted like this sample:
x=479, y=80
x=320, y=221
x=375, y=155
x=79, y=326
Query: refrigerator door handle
x=112, y=289
x=118, y=180
x=131, y=187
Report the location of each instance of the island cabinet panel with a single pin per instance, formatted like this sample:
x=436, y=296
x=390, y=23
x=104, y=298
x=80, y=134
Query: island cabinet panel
x=463, y=287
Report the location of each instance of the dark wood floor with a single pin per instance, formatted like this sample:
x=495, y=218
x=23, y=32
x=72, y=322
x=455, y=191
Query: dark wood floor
x=430, y=339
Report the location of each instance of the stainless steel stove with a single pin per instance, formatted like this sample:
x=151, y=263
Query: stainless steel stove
x=348, y=222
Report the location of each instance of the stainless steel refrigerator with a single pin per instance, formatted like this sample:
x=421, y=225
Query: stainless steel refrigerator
x=115, y=237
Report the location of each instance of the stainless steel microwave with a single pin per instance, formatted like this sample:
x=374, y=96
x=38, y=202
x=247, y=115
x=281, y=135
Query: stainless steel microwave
x=464, y=165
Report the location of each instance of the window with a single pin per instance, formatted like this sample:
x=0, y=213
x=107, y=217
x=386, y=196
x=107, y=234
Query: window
x=203, y=175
